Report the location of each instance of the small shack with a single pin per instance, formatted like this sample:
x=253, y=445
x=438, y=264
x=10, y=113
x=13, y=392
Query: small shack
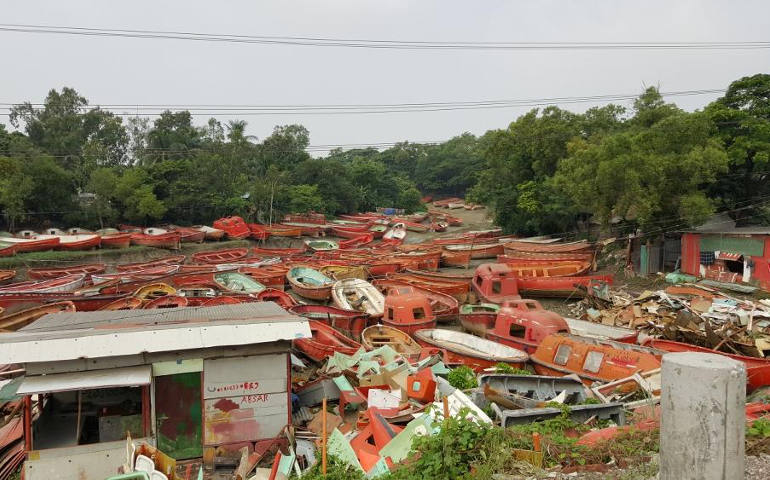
x=721, y=251
x=184, y=380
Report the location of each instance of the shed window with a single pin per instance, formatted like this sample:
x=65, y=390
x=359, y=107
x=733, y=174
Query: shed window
x=496, y=286
x=517, y=331
x=390, y=314
x=419, y=313
x=562, y=354
x=593, y=362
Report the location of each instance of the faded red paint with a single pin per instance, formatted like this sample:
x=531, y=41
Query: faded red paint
x=690, y=253
x=226, y=405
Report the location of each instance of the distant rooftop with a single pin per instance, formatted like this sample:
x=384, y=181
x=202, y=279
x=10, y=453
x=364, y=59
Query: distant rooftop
x=722, y=223
x=68, y=336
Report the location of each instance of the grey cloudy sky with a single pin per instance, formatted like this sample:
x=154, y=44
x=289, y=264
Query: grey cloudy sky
x=130, y=71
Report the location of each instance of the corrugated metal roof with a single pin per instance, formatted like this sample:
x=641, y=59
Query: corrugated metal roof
x=69, y=336
x=161, y=317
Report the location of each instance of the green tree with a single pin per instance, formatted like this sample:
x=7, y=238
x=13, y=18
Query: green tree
x=742, y=119
x=305, y=198
x=647, y=174
x=15, y=190
x=103, y=184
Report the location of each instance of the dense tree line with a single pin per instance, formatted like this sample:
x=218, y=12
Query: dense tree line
x=653, y=166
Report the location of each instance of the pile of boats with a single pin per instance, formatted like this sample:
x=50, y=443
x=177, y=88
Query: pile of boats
x=389, y=320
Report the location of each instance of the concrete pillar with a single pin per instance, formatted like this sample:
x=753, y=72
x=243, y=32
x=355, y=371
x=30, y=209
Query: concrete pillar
x=703, y=418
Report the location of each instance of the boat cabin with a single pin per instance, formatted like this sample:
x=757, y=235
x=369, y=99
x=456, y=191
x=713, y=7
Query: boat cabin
x=495, y=283
x=407, y=310
x=591, y=359
x=186, y=381
x=523, y=324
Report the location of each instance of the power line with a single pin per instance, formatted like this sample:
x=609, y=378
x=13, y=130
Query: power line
x=354, y=109
x=378, y=43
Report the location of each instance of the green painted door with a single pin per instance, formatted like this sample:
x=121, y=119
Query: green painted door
x=178, y=415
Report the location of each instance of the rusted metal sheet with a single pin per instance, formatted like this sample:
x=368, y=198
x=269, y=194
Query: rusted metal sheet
x=245, y=398
x=178, y=415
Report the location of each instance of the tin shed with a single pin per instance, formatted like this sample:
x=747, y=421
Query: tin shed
x=181, y=379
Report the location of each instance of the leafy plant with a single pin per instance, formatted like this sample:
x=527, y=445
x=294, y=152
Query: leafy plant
x=463, y=378
x=760, y=428
x=505, y=368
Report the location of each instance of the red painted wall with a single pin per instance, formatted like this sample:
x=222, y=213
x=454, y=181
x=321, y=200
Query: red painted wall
x=690, y=253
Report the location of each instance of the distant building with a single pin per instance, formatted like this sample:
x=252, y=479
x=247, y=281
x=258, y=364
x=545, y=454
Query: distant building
x=719, y=250
x=186, y=380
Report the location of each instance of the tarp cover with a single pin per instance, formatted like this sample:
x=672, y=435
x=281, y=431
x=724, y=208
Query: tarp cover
x=63, y=382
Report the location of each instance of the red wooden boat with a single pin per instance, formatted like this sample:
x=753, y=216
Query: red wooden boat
x=559, y=286
x=523, y=324
x=519, y=246
x=356, y=242
x=169, y=240
x=129, y=228
x=7, y=249
x=477, y=251
x=13, y=302
x=221, y=256
x=67, y=283
x=349, y=322
x=310, y=217
x=271, y=276
x=757, y=369
x=19, y=319
x=408, y=310
x=324, y=342
x=465, y=349
x=308, y=230
x=464, y=277
x=145, y=274
x=525, y=267
x=420, y=260
x=170, y=260
x=455, y=259
x=348, y=231
x=190, y=235
x=277, y=252
x=78, y=242
x=125, y=303
x=6, y=275
x=592, y=360
x=495, y=283
x=33, y=244
x=167, y=301
x=49, y=273
x=275, y=230
x=234, y=227
x=445, y=307
x=116, y=240
x=555, y=257
x=310, y=283
x=213, y=234
x=280, y=297
x=458, y=290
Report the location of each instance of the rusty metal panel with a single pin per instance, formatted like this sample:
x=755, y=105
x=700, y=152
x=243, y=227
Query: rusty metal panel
x=230, y=377
x=245, y=398
x=178, y=415
x=690, y=254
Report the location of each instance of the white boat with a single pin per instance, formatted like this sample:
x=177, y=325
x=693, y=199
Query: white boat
x=397, y=232
x=65, y=284
x=359, y=295
x=599, y=331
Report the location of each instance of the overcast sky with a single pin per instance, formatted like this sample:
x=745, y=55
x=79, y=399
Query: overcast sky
x=131, y=71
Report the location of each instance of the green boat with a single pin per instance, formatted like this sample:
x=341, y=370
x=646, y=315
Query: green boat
x=238, y=282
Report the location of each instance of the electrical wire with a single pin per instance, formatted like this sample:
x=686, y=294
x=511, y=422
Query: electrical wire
x=379, y=43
